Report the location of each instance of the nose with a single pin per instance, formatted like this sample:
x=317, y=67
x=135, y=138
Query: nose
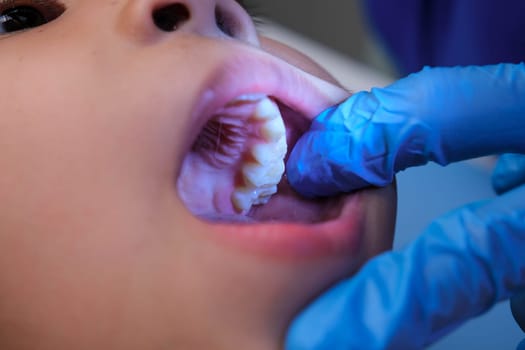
x=150, y=20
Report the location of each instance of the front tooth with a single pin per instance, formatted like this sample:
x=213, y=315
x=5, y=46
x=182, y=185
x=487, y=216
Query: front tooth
x=247, y=98
x=273, y=127
x=251, y=97
x=266, y=109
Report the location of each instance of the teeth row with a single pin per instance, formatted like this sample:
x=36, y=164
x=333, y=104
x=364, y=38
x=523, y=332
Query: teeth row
x=263, y=171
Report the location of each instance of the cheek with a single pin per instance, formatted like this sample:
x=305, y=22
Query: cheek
x=82, y=200
x=83, y=191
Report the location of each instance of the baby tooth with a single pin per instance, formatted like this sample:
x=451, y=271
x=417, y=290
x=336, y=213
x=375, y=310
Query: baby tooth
x=265, y=153
x=266, y=110
x=260, y=175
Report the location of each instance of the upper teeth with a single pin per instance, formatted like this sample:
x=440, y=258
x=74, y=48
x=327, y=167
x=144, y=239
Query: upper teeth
x=266, y=109
x=264, y=167
x=247, y=98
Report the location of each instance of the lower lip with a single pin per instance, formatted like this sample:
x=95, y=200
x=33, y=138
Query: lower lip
x=341, y=236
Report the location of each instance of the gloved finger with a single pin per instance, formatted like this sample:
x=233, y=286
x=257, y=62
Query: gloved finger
x=440, y=114
x=509, y=172
x=329, y=157
x=462, y=265
x=517, y=305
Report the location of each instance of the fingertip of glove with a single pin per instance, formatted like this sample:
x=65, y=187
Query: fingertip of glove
x=509, y=173
x=500, y=185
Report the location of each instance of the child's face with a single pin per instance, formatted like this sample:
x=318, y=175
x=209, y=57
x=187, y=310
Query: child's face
x=100, y=109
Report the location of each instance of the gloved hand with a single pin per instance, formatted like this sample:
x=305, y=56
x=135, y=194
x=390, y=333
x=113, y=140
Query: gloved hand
x=440, y=114
x=461, y=266
x=465, y=262
x=509, y=173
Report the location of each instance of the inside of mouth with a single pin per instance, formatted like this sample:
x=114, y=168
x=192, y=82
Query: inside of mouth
x=211, y=170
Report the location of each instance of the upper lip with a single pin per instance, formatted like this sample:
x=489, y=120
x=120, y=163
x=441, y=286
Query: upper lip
x=252, y=71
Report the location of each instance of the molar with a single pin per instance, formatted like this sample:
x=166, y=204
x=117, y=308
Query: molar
x=258, y=175
x=265, y=153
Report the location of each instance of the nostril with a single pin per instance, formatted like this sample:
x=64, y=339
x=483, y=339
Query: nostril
x=170, y=17
x=226, y=22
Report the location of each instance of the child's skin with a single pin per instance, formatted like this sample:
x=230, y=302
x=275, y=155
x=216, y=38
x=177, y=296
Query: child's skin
x=97, y=251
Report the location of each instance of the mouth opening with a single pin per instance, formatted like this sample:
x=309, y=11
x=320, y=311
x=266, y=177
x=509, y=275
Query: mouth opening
x=226, y=158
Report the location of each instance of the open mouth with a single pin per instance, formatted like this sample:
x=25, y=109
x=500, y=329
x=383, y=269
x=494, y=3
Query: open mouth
x=239, y=160
x=226, y=127
x=219, y=142
x=234, y=171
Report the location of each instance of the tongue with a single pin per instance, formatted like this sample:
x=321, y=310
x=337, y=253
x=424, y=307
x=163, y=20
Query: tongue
x=288, y=206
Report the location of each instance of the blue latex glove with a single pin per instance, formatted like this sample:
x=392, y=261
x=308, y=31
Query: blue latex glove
x=465, y=262
x=509, y=173
x=461, y=266
x=440, y=114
